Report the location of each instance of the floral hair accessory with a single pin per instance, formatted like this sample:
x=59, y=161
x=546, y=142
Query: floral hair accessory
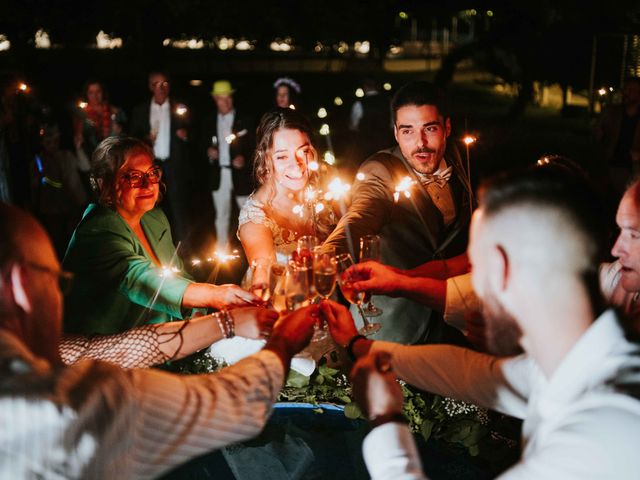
x=289, y=82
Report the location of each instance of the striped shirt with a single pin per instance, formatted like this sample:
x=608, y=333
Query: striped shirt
x=95, y=420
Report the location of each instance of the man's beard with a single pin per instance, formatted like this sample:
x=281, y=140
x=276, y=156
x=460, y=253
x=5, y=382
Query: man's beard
x=501, y=329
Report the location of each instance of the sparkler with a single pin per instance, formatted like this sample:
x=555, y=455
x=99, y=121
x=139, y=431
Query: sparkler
x=468, y=141
x=221, y=258
x=403, y=188
x=181, y=110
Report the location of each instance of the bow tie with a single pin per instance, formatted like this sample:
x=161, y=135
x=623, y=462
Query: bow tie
x=439, y=177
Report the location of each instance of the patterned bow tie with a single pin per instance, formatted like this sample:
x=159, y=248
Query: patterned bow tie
x=439, y=177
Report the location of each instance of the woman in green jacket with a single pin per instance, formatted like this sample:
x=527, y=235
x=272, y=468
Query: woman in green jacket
x=127, y=272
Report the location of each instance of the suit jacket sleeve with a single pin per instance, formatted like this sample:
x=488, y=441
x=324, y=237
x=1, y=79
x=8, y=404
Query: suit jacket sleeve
x=370, y=209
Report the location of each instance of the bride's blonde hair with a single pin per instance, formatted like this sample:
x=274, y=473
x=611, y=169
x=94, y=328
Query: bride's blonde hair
x=270, y=123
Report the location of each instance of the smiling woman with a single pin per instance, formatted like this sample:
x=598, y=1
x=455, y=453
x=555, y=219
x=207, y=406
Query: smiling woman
x=268, y=229
x=122, y=249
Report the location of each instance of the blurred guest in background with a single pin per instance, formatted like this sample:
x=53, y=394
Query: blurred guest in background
x=164, y=124
x=59, y=195
x=96, y=119
x=370, y=119
x=127, y=269
x=287, y=93
x=619, y=134
x=227, y=141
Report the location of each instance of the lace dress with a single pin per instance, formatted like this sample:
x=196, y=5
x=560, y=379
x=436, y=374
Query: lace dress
x=284, y=240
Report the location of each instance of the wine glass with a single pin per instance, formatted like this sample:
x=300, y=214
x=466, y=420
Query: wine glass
x=324, y=279
x=297, y=286
x=370, y=250
x=277, y=277
x=344, y=261
x=304, y=250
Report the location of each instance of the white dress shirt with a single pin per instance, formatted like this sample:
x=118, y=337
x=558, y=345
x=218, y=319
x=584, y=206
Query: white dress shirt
x=95, y=420
x=225, y=128
x=160, y=122
x=582, y=422
x=390, y=452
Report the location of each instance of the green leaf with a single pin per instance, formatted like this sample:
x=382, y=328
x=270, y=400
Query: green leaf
x=352, y=411
x=426, y=429
x=297, y=380
x=327, y=371
x=319, y=380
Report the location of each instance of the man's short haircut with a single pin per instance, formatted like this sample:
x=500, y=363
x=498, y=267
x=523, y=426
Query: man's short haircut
x=159, y=71
x=556, y=190
x=419, y=94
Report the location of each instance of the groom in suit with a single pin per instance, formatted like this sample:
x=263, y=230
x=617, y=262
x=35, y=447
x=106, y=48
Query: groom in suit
x=164, y=124
x=227, y=141
x=431, y=222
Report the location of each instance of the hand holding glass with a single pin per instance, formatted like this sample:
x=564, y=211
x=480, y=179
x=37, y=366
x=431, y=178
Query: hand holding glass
x=344, y=261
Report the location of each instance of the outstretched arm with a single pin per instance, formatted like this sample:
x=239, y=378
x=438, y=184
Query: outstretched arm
x=150, y=345
x=370, y=209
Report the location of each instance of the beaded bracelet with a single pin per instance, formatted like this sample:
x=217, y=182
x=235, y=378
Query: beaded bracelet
x=221, y=325
x=231, y=326
x=226, y=323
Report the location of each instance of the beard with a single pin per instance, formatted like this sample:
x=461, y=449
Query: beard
x=501, y=329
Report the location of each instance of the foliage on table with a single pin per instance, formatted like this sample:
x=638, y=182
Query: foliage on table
x=432, y=416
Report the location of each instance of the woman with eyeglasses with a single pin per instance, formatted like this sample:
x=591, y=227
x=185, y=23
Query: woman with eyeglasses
x=127, y=270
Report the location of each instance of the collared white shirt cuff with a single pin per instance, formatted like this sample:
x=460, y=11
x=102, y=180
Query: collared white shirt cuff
x=390, y=453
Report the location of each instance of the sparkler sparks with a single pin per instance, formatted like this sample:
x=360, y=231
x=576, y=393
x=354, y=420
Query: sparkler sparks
x=404, y=188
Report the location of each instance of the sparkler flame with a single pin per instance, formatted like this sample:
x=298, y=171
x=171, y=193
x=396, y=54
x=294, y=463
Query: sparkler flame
x=469, y=139
x=404, y=188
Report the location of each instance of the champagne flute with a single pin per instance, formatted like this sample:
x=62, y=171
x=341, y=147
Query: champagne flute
x=344, y=261
x=324, y=279
x=297, y=287
x=277, y=277
x=370, y=250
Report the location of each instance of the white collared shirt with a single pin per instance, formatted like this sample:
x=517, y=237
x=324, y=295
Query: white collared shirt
x=582, y=422
x=160, y=122
x=225, y=128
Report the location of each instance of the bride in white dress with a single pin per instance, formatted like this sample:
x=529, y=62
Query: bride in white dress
x=268, y=228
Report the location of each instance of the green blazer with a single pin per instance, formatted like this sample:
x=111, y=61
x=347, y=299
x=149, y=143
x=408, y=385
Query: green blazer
x=117, y=286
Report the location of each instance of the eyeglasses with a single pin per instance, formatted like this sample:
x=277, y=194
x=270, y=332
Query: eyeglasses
x=65, y=279
x=136, y=178
x=164, y=84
